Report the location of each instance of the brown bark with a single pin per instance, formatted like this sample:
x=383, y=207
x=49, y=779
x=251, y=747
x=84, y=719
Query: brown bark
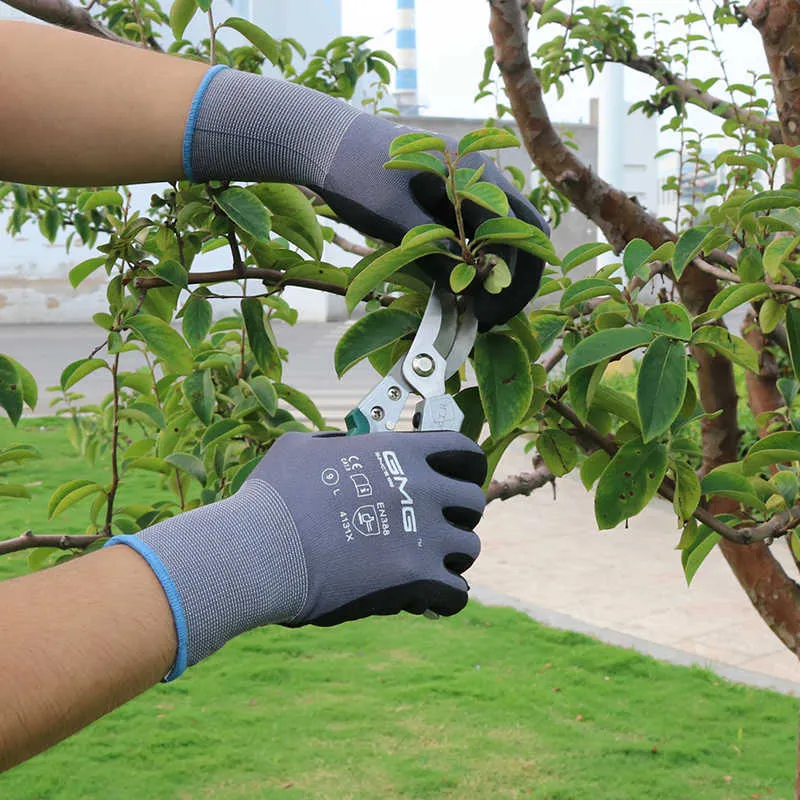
x=770, y=590
x=66, y=15
x=778, y=22
x=65, y=542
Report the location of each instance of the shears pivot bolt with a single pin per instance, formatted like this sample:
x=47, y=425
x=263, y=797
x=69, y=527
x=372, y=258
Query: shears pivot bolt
x=423, y=365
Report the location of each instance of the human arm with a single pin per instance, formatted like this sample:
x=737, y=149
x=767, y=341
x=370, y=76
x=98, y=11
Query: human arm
x=300, y=543
x=71, y=650
x=76, y=110
x=89, y=112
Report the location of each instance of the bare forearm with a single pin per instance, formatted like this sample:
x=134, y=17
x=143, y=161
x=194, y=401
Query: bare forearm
x=79, y=111
x=77, y=641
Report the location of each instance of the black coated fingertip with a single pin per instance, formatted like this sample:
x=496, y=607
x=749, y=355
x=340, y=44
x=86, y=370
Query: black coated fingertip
x=464, y=518
x=463, y=465
x=449, y=600
x=458, y=563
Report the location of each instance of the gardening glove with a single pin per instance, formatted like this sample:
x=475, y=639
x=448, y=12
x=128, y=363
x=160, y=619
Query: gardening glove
x=327, y=528
x=245, y=127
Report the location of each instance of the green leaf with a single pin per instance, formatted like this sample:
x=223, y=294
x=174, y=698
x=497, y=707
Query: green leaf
x=606, y=344
x=750, y=266
x=461, y=277
x=105, y=197
x=583, y=253
x=70, y=493
x=165, y=342
x=635, y=257
x=582, y=387
x=10, y=390
x=425, y=234
x=14, y=490
x=793, y=336
x=727, y=481
x=469, y=401
x=293, y=216
x=785, y=483
x=79, y=369
x=418, y=162
x=381, y=269
x=30, y=391
x=558, y=451
x=198, y=388
x=221, y=430
x=629, y=482
x=189, y=464
x=172, y=272
x=775, y=253
x=243, y=473
x=80, y=272
x=265, y=393
x=488, y=196
x=775, y=448
x=486, y=139
x=660, y=386
x=499, y=276
x=504, y=381
x=770, y=315
x=587, y=289
x=732, y=297
x=149, y=464
x=695, y=553
x=686, y=248
x=724, y=343
x=370, y=333
x=670, y=319
x=617, y=403
x=766, y=201
x=593, y=467
x=264, y=349
x=416, y=143
x=197, y=317
x=258, y=37
x=687, y=491
x=245, y=210
x=18, y=453
x=547, y=328
x=521, y=234
x=302, y=402
x=180, y=15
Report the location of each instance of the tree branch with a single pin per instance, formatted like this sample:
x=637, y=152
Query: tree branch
x=257, y=273
x=66, y=15
x=652, y=66
x=522, y=484
x=351, y=247
x=62, y=541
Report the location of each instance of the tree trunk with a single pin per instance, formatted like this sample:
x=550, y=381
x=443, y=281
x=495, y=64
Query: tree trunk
x=773, y=594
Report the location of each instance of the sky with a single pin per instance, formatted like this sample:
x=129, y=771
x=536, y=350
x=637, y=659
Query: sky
x=452, y=35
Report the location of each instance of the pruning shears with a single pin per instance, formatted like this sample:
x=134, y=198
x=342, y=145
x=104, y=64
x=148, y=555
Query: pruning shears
x=442, y=343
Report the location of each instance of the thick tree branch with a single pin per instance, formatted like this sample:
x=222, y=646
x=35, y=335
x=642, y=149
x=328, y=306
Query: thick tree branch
x=688, y=91
x=66, y=15
x=257, y=273
x=65, y=542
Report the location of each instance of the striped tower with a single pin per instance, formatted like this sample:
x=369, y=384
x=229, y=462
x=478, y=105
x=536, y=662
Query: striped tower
x=406, y=91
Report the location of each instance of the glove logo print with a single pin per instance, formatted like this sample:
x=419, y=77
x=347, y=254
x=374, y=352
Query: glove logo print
x=371, y=520
x=396, y=477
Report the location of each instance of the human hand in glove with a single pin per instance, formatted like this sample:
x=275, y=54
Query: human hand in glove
x=327, y=528
x=246, y=127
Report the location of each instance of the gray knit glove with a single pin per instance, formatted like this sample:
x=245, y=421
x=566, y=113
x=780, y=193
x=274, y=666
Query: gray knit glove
x=327, y=528
x=246, y=127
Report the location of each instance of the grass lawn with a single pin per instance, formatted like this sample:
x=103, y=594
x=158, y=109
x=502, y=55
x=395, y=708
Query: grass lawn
x=488, y=704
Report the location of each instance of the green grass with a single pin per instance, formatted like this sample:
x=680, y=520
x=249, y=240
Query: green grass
x=488, y=704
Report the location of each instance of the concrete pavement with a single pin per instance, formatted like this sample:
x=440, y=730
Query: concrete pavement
x=542, y=555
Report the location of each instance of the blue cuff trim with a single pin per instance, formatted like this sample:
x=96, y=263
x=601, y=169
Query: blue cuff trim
x=164, y=578
x=188, y=135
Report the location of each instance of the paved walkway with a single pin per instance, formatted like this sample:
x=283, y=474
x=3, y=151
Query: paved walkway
x=543, y=556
